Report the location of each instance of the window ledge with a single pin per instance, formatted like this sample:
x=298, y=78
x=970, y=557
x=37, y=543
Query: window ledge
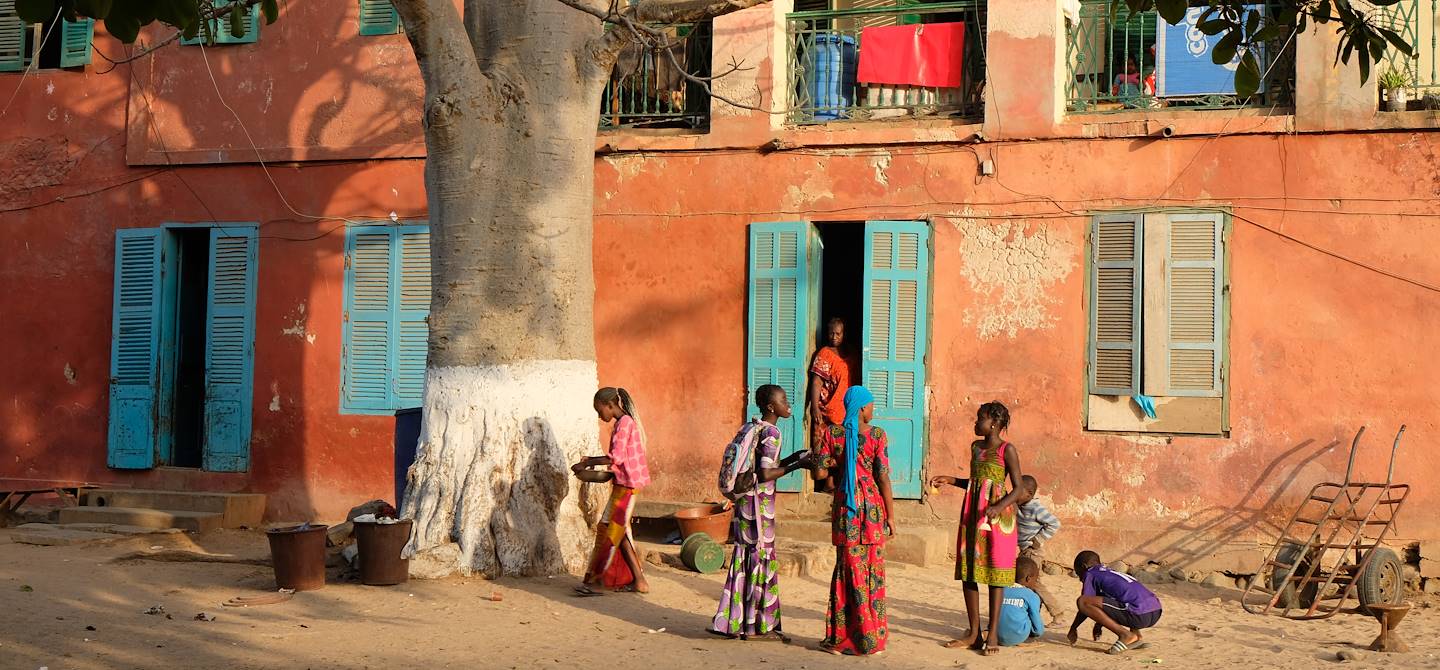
x=1182, y=123
x=1178, y=416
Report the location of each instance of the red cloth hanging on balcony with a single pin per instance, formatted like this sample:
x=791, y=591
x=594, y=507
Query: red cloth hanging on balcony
x=929, y=54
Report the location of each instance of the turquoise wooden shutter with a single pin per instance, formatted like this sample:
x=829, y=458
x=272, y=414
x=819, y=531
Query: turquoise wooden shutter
x=897, y=288
x=378, y=17
x=12, y=38
x=412, y=316
x=135, y=348
x=1115, y=291
x=230, y=348
x=252, y=27
x=75, y=38
x=369, y=286
x=777, y=330
x=1194, y=294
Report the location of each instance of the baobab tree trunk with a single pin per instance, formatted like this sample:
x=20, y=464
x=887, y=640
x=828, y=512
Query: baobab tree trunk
x=512, y=94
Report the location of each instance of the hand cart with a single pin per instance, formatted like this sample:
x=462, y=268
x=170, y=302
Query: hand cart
x=1331, y=550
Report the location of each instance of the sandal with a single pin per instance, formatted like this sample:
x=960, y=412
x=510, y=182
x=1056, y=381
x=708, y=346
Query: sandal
x=772, y=636
x=728, y=636
x=586, y=592
x=1118, y=648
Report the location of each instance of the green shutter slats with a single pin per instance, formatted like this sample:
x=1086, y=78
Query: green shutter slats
x=1114, y=350
x=230, y=347
x=75, y=40
x=897, y=288
x=777, y=341
x=12, y=38
x=378, y=17
x=387, y=309
x=1195, y=291
x=135, y=349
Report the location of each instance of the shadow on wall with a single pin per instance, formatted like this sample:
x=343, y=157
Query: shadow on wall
x=1206, y=533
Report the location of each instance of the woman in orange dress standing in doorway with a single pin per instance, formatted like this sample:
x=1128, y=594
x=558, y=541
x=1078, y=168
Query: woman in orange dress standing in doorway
x=833, y=373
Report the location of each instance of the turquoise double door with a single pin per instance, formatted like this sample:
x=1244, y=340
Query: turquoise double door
x=784, y=321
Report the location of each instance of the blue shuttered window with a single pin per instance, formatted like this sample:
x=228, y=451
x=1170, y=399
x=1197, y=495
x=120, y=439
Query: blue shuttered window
x=777, y=344
x=75, y=39
x=378, y=17
x=387, y=307
x=220, y=28
x=12, y=38
x=230, y=348
x=135, y=348
x=897, y=289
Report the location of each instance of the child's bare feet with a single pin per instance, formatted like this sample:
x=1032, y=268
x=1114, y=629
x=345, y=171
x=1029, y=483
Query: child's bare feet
x=962, y=642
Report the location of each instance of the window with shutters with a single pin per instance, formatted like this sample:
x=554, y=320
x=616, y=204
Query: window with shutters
x=1158, y=295
x=52, y=45
x=378, y=17
x=387, y=309
x=232, y=28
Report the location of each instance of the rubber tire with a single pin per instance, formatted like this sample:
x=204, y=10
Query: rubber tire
x=1383, y=573
x=1288, y=598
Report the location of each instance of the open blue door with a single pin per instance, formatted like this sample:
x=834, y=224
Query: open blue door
x=230, y=348
x=897, y=289
x=135, y=348
x=778, y=332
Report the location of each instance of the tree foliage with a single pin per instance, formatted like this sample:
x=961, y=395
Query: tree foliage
x=123, y=19
x=1246, y=24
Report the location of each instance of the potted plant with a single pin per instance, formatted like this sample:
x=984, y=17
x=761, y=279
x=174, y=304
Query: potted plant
x=1396, y=84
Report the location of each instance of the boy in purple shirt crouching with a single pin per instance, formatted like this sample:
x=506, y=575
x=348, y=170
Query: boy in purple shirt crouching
x=1115, y=601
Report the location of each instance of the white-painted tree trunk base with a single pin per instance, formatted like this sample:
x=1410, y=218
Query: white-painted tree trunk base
x=491, y=490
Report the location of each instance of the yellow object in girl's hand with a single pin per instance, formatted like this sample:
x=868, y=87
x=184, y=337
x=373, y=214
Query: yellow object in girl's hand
x=934, y=490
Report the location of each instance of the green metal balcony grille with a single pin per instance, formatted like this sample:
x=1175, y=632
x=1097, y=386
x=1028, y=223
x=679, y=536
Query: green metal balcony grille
x=825, y=47
x=1111, y=65
x=647, y=90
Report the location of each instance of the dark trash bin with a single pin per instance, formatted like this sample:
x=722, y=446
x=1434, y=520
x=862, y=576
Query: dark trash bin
x=407, y=437
x=298, y=555
x=380, y=546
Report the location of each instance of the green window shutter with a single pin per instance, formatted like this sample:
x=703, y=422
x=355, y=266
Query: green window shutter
x=778, y=335
x=369, y=285
x=896, y=303
x=412, y=316
x=12, y=38
x=1115, y=297
x=75, y=39
x=378, y=17
x=230, y=347
x=135, y=348
x=252, y=27
x=1194, y=286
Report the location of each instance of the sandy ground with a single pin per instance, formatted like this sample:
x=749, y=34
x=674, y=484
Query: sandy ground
x=82, y=609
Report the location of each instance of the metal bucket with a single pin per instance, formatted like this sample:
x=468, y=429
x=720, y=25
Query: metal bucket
x=380, y=547
x=298, y=556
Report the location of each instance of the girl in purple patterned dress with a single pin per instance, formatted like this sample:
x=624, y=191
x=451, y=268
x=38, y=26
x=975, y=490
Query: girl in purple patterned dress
x=750, y=600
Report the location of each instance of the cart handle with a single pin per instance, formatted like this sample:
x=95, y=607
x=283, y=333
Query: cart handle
x=1354, y=446
x=1390, y=475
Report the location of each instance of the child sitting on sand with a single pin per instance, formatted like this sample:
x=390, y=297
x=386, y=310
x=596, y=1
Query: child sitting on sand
x=1115, y=601
x=1020, y=610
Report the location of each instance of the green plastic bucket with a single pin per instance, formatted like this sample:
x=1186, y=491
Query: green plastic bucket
x=702, y=554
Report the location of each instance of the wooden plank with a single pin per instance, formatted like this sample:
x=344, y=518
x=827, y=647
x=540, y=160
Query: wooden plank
x=1185, y=416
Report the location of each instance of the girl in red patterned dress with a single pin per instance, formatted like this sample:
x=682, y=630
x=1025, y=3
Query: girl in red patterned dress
x=855, y=456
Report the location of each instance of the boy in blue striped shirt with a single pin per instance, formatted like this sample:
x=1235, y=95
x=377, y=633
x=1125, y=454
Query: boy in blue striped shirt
x=1036, y=526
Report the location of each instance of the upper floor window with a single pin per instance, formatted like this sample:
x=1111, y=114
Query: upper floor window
x=50, y=45
x=1138, y=61
x=378, y=17
x=1410, y=83
x=648, y=87
x=851, y=60
x=221, y=28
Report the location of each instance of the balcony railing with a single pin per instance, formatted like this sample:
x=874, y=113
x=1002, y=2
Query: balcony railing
x=1123, y=61
x=1418, y=22
x=647, y=90
x=843, y=68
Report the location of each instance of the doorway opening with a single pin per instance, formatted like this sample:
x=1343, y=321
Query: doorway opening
x=191, y=304
x=842, y=281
